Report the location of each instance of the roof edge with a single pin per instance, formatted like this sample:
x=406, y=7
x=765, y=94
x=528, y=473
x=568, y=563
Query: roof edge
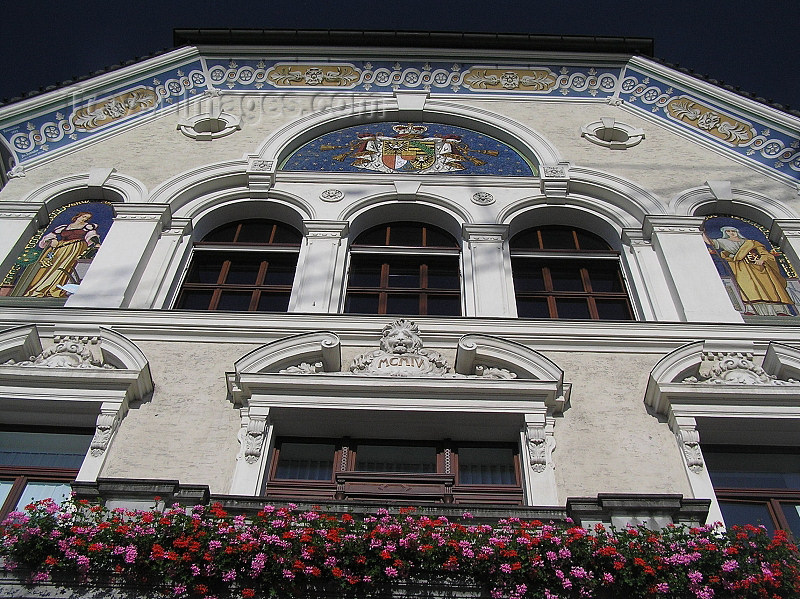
x=414, y=39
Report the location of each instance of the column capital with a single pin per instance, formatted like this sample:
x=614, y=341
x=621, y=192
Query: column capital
x=487, y=233
x=671, y=224
x=334, y=229
x=143, y=212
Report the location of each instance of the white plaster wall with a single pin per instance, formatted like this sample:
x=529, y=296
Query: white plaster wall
x=664, y=162
x=606, y=442
x=187, y=431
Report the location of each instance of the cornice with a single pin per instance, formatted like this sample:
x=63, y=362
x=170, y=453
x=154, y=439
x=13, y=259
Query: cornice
x=360, y=330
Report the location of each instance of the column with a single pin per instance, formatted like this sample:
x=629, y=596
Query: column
x=693, y=280
x=538, y=443
x=256, y=439
x=18, y=222
x=488, y=283
x=114, y=272
x=320, y=267
x=688, y=437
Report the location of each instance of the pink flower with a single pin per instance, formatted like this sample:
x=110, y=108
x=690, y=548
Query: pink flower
x=505, y=568
x=730, y=565
x=390, y=572
x=662, y=587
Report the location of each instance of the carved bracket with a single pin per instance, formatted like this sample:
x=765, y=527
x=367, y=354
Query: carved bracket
x=252, y=439
x=107, y=423
x=689, y=440
x=541, y=443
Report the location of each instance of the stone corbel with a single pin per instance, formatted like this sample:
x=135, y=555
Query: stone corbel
x=689, y=441
x=541, y=443
x=107, y=423
x=555, y=181
x=260, y=176
x=254, y=439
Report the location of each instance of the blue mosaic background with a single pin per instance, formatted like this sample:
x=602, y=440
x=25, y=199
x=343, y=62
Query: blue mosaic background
x=310, y=157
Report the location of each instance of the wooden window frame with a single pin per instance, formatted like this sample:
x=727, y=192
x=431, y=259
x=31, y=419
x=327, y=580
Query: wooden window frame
x=391, y=256
x=576, y=258
x=441, y=486
x=263, y=253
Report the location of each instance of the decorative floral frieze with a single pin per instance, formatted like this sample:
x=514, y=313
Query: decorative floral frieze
x=314, y=75
x=68, y=352
x=735, y=368
x=539, y=80
x=714, y=122
x=105, y=112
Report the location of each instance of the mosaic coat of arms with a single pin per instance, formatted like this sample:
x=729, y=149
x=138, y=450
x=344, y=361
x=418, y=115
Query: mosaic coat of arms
x=409, y=148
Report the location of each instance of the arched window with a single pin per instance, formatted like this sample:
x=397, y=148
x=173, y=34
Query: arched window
x=246, y=265
x=564, y=272
x=404, y=268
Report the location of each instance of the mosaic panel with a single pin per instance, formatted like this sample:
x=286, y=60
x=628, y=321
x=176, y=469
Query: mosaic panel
x=409, y=148
x=757, y=275
x=56, y=258
x=753, y=138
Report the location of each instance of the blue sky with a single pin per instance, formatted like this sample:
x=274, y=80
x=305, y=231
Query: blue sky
x=755, y=46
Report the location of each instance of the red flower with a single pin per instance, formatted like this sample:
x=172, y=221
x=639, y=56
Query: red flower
x=248, y=593
x=201, y=589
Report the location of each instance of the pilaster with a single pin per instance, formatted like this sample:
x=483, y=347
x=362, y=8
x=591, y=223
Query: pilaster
x=114, y=272
x=538, y=444
x=320, y=267
x=488, y=282
x=693, y=280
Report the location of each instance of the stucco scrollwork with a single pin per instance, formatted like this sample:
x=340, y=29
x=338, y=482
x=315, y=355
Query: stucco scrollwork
x=735, y=368
x=304, y=368
x=68, y=352
x=492, y=372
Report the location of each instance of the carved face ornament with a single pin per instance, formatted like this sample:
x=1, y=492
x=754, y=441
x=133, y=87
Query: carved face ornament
x=401, y=337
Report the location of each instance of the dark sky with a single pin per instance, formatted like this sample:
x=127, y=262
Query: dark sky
x=753, y=45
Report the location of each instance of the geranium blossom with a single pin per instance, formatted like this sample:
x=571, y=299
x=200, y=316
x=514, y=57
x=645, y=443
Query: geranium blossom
x=282, y=553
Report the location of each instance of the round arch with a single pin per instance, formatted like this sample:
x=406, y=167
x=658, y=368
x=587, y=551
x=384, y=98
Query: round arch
x=384, y=208
x=701, y=201
x=97, y=184
x=531, y=144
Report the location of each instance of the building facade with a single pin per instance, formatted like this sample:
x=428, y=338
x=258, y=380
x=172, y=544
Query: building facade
x=556, y=281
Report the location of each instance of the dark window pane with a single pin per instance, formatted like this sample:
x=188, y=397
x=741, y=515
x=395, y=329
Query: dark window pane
x=273, y=302
x=792, y=513
x=407, y=234
x=195, y=300
x=572, y=308
x=557, y=238
x=43, y=450
x=730, y=469
x=361, y=303
x=365, y=271
x=566, y=277
x=527, y=275
x=611, y=309
x=444, y=305
x=590, y=241
x=443, y=274
x=205, y=269
x=532, y=307
x=280, y=269
x=235, y=300
x=525, y=240
x=486, y=466
x=740, y=513
x=373, y=236
x=255, y=231
x=285, y=234
x=605, y=277
x=223, y=234
x=436, y=237
x=402, y=304
x=404, y=275
x=243, y=270
x=305, y=461
x=395, y=458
